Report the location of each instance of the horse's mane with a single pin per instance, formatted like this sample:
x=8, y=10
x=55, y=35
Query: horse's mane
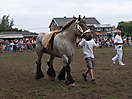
x=67, y=25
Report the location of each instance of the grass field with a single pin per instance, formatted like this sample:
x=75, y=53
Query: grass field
x=17, y=77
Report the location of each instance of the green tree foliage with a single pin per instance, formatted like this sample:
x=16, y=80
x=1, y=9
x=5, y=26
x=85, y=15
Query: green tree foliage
x=125, y=27
x=6, y=24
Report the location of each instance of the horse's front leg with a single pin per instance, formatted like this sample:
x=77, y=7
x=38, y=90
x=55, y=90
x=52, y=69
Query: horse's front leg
x=39, y=73
x=61, y=75
x=51, y=71
x=66, y=69
x=69, y=79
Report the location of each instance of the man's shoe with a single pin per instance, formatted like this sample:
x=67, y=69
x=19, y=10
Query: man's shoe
x=93, y=81
x=122, y=64
x=113, y=62
x=84, y=76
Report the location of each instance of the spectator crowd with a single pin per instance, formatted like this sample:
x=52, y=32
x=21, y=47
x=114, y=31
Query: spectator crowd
x=108, y=42
x=17, y=45
x=29, y=44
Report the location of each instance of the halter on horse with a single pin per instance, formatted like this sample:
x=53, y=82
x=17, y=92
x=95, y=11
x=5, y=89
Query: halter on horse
x=63, y=47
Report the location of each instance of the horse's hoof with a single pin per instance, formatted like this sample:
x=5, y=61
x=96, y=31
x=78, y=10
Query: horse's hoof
x=39, y=77
x=51, y=74
x=61, y=80
x=70, y=83
x=52, y=78
x=73, y=84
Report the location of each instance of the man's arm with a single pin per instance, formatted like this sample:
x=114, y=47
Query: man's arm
x=78, y=45
x=98, y=46
x=118, y=43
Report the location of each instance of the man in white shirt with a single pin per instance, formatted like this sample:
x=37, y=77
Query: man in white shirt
x=88, y=56
x=118, y=42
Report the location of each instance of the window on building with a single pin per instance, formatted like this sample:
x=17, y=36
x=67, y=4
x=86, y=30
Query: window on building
x=54, y=23
x=103, y=29
x=108, y=29
x=98, y=29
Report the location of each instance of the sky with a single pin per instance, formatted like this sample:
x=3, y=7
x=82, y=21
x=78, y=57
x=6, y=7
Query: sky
x=36, y=15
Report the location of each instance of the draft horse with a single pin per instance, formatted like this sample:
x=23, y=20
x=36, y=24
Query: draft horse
x=63, y=47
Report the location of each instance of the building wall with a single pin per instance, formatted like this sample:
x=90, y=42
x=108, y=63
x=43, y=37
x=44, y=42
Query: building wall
x=53, y=26
x=101, y=30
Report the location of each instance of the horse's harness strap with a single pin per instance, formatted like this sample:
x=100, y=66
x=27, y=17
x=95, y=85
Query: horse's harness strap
x=81, y=30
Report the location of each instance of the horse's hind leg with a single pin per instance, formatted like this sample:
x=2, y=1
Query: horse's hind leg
x=51, y=70
x=39, y=73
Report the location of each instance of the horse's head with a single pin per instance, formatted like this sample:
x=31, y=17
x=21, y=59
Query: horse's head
x=82, y=29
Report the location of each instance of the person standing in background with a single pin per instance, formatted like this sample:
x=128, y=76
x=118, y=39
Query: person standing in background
x=118, y=42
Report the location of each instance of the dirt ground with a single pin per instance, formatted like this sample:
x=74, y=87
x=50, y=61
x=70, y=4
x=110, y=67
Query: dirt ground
x=17, y=77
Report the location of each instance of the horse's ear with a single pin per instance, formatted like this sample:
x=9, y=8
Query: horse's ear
x=74, y=17
x=84, y=17
x=79, y=18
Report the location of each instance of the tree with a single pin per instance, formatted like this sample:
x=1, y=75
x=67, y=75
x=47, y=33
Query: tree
x=6, y=24
x=125, y=27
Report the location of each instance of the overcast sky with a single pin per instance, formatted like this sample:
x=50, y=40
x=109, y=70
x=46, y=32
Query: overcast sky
x=36, y=15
